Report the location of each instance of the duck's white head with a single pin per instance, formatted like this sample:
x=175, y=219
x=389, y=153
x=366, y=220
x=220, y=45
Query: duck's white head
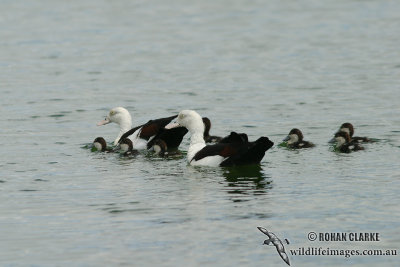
x=120, y=116
x=189, y=119
x=192, y=121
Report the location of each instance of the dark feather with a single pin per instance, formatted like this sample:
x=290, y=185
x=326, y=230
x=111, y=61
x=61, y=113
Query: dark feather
x=224, y=150
x=301, y=144
x=149, y=129
x=251, y=153
x=129, y=133
x=172, y=137
x=152, y=127
x=348, y=147
x=234, y=137
x=238, y=151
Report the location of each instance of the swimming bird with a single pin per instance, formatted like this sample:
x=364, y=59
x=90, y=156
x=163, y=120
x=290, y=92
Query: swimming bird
x=295, y=140
x=274, y=240
x=220, y=154
x=344, y=144
x=348, y=128
x=207, y=137
x=100, y=144
x=160, y=148
x=145, y=133
x=126, y=147
x=120, y=116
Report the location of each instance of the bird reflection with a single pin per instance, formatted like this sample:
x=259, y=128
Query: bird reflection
x=247, y=180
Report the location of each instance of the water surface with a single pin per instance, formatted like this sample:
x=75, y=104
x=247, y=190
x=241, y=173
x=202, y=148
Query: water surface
x=250, y=66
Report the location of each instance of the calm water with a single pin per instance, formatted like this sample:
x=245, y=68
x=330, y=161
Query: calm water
x=260, y=67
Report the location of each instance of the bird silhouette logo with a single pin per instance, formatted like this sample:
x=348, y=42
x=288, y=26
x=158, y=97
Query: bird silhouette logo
x=273, y=240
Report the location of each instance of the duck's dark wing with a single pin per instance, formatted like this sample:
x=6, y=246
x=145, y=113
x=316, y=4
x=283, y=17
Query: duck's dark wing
x=130, y=132
x=227, y=147
x=234, y=137
x=149, y=129
x=249, y=153
x=238, y=153
x=172, y=137
x=223, y=150
x=153, y=127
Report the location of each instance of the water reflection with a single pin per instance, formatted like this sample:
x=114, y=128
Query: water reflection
x=246, y=180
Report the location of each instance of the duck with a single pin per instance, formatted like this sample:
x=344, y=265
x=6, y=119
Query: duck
x=120, y=116
x=235, y=152
x=160, y=148
x=295, y=140
x=143, y=135
x=348, y=128
x=207, y=137
x=126, y=148
x=99, y=144
x=344, y=144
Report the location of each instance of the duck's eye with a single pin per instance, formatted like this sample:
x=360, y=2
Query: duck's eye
x=112, y=112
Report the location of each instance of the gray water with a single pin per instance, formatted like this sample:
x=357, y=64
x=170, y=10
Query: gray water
x=260, y=67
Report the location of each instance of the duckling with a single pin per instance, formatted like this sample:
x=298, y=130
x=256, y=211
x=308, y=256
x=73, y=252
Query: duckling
x=99, y=144
x=344, y=143
x=348, y=128
x=126, y=148
x=207, y=137
x=160, y=148
x=295, y=140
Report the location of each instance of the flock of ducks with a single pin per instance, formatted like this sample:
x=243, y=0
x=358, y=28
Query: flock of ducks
x=164, y=136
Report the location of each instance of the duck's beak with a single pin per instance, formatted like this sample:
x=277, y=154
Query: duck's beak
x=172, y=125
x=287, y=138
x=104, y=122
x=332, y=141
